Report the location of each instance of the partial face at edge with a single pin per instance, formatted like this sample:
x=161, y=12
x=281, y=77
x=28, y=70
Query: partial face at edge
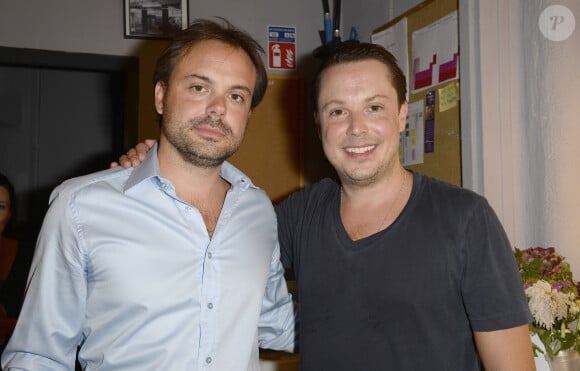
x=5, y=208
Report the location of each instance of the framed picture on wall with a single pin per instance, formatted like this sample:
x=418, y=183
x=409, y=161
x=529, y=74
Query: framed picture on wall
x=155, y=19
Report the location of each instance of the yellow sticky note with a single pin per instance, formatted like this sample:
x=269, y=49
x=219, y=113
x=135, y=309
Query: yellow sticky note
x=448, y=96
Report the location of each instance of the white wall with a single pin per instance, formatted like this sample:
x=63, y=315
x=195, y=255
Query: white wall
x=97, y=26
x=521, y=109
x=367, y=15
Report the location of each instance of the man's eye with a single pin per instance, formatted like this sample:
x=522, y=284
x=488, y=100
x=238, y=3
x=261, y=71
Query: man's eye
x=336, y=112
x=197, y=88
x=238, y=98
x=375, y=108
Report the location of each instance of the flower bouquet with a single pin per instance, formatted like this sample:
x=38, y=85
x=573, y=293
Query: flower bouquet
x=553, y=298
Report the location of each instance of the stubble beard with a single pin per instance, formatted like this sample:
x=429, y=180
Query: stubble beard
x=364, y=174
x=202, y=152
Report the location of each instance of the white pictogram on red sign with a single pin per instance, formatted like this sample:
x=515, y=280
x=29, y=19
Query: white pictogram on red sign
x=281, y=47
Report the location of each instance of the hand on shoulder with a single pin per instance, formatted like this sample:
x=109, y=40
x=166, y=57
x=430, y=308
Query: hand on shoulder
x=135, y=155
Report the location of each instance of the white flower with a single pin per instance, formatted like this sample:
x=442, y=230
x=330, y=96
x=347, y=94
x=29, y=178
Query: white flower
x=548, y=305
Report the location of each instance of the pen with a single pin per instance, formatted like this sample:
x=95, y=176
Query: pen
x=327, y=22
x=336, y=26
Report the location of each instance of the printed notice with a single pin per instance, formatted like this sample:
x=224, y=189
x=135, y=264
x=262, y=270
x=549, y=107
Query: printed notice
x=411, y=148
x=435, y=50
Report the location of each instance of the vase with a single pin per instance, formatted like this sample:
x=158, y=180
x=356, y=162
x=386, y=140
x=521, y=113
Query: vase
x=564, y=360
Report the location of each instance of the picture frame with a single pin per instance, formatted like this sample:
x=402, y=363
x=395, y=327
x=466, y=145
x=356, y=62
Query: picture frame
x=155, y=19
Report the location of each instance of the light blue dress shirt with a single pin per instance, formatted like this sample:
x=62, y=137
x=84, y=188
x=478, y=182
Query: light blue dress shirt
x=126, y=270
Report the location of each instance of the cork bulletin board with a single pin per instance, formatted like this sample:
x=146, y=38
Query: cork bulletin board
x=445, y=161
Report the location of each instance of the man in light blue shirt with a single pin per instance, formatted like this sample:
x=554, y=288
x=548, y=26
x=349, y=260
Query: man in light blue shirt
x=174, y=265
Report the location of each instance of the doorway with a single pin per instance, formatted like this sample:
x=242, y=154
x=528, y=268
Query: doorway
x=61, y=115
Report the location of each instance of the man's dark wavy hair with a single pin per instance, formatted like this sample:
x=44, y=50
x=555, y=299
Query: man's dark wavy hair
x=202, y=30
x=354, y=52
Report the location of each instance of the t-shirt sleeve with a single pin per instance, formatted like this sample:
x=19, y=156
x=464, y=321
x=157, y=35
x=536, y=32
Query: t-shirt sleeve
x=285, y=234
x=492, y=289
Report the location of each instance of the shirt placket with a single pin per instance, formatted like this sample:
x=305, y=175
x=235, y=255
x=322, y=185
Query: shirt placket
x=208, y=314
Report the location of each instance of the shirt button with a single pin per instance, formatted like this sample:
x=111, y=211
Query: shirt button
x=209, y=255
x=210, y=305
x=208, y=360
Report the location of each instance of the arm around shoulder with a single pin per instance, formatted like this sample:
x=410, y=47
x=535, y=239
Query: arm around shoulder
x=276, y=327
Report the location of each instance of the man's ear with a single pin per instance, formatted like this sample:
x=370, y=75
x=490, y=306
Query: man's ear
x=159, y=96
x=403, y=116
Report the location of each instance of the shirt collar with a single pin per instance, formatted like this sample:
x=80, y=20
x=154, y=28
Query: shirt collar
x=149, y=168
